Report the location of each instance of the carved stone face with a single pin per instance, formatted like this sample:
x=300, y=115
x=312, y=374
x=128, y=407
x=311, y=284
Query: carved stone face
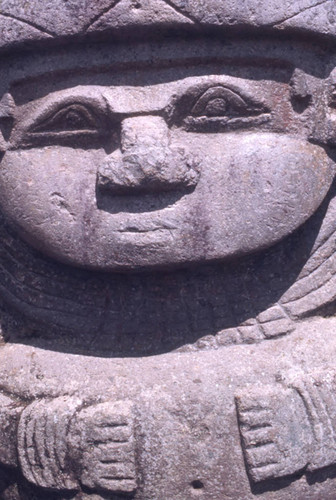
x=159, y=158
x=136, y=169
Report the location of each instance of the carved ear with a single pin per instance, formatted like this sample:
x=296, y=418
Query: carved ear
x=7, y=106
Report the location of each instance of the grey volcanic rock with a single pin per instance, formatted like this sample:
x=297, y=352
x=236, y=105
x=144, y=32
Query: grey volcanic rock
x=26, y=21
x=167, y=249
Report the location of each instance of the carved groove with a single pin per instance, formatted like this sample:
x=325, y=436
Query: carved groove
x=108, y=447
x=42, y=443
x=270, y=451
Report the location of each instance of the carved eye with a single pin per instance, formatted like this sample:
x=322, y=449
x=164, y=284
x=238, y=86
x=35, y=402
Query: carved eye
x=220, y=101
x=74, y=117
x=73, y=124
x=215, y=109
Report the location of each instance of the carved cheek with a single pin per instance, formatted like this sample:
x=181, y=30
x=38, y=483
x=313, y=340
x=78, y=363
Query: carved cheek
x=257, y=188
x=46, y=191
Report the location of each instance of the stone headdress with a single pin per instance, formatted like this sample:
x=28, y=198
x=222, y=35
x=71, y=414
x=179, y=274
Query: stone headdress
x=23, y=22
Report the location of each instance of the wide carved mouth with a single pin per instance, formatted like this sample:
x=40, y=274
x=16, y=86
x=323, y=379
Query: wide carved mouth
x=146, y=228
x=139, y=203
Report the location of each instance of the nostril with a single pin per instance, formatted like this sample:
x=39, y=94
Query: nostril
x=115, y=177
x=187, y=167
x=104, y=176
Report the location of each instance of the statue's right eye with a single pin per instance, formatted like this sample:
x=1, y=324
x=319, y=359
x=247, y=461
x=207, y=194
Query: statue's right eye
x=72, y=118
x=72, y=124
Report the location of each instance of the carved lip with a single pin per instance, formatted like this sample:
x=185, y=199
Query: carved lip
x=140, y=203
x=136, y=229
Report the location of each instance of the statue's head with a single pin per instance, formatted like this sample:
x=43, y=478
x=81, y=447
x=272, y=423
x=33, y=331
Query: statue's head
x=154, y=135
x=166, y=153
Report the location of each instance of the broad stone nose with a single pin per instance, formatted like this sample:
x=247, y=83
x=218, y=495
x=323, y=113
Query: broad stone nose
x=146, y=162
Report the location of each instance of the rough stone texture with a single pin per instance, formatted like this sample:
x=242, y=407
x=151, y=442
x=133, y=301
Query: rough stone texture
x=26, y=21
x=167, y=249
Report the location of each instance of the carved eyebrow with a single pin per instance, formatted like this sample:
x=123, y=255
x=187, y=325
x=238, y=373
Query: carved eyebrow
x=231, y=87
x=59, y=102
x=29, y=115
x=46, y=107
x=234, y=91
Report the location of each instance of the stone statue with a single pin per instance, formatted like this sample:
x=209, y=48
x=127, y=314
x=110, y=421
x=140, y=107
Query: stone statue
x=167, y=249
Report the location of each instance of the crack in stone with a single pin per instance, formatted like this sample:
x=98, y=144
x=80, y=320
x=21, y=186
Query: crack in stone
x=182, y=12
x=29, y=23
x=167, y=2
x=101, y=14
x=299, y=13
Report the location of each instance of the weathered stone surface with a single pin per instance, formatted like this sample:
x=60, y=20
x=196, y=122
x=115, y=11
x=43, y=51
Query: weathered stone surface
x=23, y=22
x=103, y=443
x=167, y=249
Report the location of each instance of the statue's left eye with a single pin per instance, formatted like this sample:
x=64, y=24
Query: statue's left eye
x=220, y=101
x=74, y=117
x=217, y=108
